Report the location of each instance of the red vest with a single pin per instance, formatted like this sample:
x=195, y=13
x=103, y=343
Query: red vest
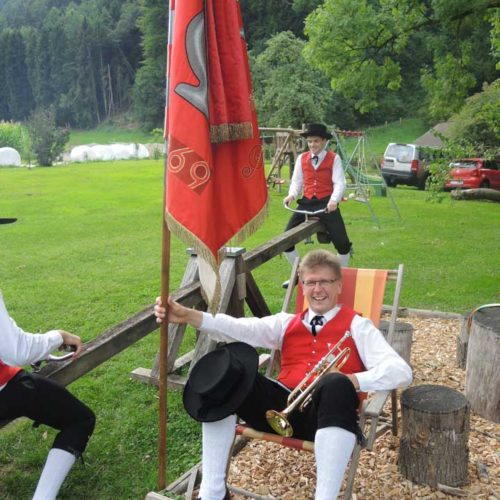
x=7, y=372
x=318, y=182
x=301, y=351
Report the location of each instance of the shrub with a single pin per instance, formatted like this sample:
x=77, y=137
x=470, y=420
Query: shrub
x=48, y=141
x=14, y=135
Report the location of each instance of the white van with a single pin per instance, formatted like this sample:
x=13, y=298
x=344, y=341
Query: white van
x=404, y=164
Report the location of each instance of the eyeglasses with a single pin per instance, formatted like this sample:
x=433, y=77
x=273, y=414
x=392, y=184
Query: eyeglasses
x=320, y=283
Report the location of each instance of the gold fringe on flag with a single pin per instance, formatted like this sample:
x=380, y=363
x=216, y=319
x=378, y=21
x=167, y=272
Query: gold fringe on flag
x=203, y=251
x=230, y=132
x=252, y=225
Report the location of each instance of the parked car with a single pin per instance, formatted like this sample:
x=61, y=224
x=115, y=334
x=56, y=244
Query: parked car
x=404, y=164
x=474, y=173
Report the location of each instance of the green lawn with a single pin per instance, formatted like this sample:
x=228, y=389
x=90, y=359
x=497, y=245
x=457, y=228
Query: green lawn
x=85, y=255
x=377, y=138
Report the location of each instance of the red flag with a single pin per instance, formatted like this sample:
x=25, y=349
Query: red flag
x=215, y=181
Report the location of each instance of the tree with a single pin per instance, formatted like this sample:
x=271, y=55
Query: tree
x=17, y=87
x=478, y=122
x=287, y=91
x=149, y=86
x=367, y=47
x=263, y=19
x=79, y=57
x=47, y=140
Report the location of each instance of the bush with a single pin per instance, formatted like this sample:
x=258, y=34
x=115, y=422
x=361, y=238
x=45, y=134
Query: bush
x=14, y=135
x=47, y=140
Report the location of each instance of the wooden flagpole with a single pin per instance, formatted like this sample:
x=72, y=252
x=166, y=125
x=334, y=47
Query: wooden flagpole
x=165, y=287
x=163, y=407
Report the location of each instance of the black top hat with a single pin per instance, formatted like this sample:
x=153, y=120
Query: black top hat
x=220, y=381
x=316, y=130
x=7, y=221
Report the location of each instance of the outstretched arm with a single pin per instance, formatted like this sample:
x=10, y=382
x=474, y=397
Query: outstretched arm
x=18, y=347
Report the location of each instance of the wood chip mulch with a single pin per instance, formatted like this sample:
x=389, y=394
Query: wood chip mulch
x=275, y=471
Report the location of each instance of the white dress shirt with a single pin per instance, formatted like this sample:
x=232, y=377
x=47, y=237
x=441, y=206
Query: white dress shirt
x=338, y=177
x=385, y=369
x=17, y=347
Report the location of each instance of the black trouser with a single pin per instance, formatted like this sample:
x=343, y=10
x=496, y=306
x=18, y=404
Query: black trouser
x=46, y=402
x=334, y=404
x=332, y=221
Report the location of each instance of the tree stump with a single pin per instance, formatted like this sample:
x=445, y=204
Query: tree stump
x=402, y=339
x=463, y=341
x=482, y=376
x=434, y=444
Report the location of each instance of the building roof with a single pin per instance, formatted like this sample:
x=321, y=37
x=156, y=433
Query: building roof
x=430, y=140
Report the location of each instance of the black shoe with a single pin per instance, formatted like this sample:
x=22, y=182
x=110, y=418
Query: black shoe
x=285, y=284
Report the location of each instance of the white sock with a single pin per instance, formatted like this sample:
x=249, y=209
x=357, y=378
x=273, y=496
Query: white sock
x=218, y=438
x=332, y=448
x=57, y=466
x=291, y=256
x=344, y=259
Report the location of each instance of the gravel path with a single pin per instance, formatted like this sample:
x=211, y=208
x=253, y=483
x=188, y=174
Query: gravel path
x=285, y=474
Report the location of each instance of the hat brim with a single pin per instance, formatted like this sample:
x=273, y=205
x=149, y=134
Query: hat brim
x=193, y=403
x=316, y=133
x=7, y=220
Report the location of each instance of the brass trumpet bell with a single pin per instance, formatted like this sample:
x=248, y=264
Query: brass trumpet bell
x=279, y=423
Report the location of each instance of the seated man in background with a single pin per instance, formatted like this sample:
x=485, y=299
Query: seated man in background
x=25, y=394
x=225, y=383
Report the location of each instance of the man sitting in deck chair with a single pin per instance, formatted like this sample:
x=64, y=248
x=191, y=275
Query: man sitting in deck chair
x=225, y=383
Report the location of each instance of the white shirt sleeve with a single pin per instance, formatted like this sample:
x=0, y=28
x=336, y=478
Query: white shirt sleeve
x=265, y=332
x=338, y=179
x=17, y=347
x=385, y=369
x=297, y=182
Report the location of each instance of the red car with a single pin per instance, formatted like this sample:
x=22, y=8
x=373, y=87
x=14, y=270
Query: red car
x=474, y=173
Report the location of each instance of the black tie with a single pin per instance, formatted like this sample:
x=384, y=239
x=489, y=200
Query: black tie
x=317, y=320
x=315, y=160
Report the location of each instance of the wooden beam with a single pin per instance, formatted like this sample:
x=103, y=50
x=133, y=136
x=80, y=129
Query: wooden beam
x=255, y=299
x=274, y=247
x=105, y=346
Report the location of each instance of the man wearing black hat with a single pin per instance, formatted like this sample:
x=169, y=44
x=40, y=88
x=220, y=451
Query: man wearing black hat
x=225, y=382
x=318, y=175
x=40, y=399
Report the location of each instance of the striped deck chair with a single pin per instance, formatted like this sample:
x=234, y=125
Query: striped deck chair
x=363, y=290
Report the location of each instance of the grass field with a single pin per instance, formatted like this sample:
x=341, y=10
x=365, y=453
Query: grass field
x=85, y=255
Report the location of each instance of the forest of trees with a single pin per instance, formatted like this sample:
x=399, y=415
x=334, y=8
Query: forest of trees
x=348, y=62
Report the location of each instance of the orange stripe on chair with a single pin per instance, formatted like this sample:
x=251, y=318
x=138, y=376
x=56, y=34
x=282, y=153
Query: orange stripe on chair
x=363, y=290
x=378, y=295
x=348, y=293
x=301, y=303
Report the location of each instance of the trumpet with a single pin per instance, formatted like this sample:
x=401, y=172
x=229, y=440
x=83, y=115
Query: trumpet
x=301, y=396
